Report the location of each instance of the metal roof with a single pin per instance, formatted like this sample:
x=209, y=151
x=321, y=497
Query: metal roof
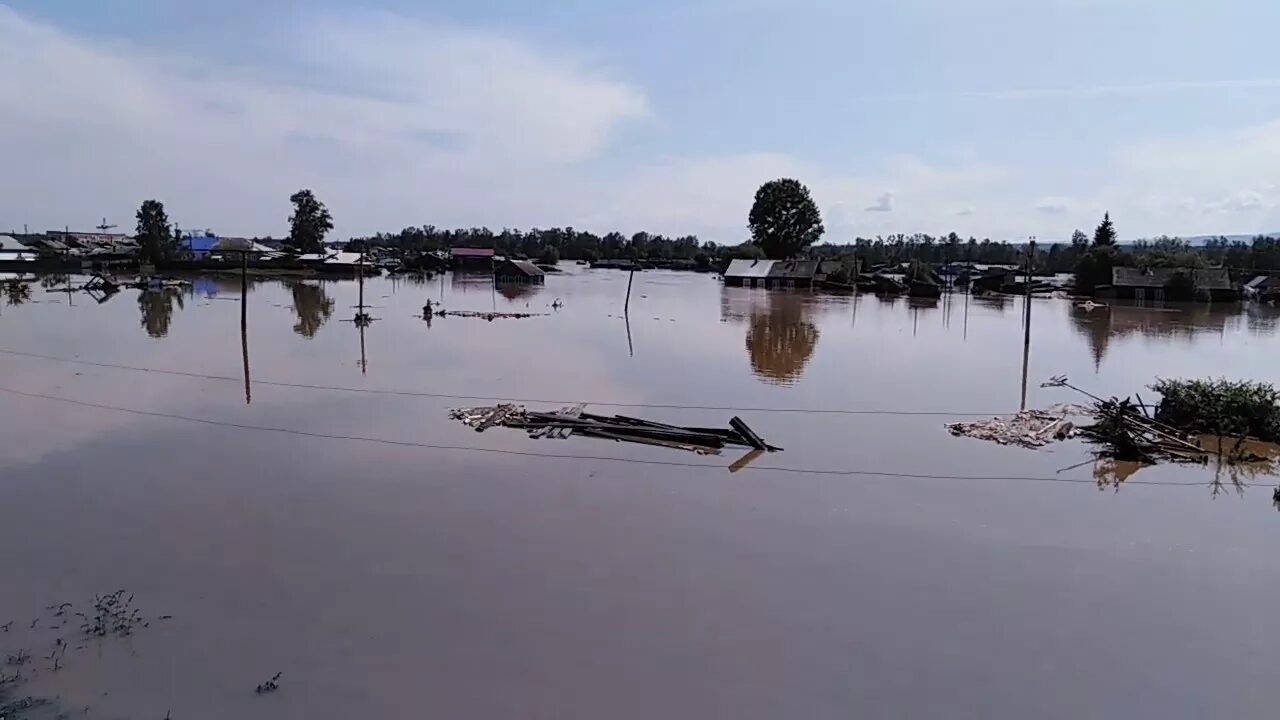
x=11, y=244
x=200, y=243
x=794, y=269
x=471, y=252
x=1137, y=277
x=1204, y=279
x=749, y=268
x=524, y=266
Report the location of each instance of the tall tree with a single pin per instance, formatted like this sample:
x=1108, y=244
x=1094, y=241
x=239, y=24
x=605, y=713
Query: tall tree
x=1105, y=235
x=1079, y=240
x=309, y=224
x=154, y=241
x=784, y=219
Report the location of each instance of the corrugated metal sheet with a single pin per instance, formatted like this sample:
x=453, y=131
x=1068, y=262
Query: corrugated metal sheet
x=749, y=268
x=10, y=243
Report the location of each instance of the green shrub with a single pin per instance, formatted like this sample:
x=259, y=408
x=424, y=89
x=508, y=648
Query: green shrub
x=1220, y=407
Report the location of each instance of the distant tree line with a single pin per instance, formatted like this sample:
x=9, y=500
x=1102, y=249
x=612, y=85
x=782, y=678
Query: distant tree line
x=554, y=243
x=784, y=223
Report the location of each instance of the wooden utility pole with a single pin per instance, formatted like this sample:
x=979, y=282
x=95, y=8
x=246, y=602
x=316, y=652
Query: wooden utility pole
x=1026, y=321
x=244, y=322
x=626, y=306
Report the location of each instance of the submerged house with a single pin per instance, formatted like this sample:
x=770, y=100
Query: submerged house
x=507, y=270
x=13, y=251
x=792, y=273
x=471, y=257
x=771, y=273
x=747, y=273
x=1159, y=284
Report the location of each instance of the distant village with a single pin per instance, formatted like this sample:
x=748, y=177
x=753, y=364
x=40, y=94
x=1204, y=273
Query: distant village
x=783, y=252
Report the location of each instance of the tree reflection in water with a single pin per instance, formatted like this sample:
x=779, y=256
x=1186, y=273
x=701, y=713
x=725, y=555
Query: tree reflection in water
x=313, y=307
x=1236, y=463
x=781, y=339
x=157, y=309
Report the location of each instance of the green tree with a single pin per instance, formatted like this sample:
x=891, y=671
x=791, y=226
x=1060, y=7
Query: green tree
x=309, y=224
x=784, y=219
x=549, y=256
x=154, y=239
x=1079, y=241
x=1093, y=270
x=1105, y=235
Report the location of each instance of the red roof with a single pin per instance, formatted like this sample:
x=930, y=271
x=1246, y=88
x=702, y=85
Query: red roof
x=471, y=252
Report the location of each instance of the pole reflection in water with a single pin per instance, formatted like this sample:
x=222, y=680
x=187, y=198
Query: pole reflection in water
x=244, y=324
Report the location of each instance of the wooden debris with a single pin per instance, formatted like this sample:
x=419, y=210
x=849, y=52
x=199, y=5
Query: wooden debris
x=269, y=686
x=574, y=420
x=1127, y=432
x=485, y=315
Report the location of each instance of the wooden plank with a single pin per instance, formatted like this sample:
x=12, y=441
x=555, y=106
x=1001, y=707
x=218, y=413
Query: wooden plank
x=747, y=433
x=700, y=449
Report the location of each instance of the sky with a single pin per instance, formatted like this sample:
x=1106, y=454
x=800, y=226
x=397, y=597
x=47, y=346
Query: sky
x=1005, y=119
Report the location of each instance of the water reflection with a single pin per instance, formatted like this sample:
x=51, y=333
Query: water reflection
x=1236, y=463
x=16, y=291
x=312, y=306
x=1262, y=319
x=1176, y=322
x=515, y=290
x=781, y=338
x=157, y=309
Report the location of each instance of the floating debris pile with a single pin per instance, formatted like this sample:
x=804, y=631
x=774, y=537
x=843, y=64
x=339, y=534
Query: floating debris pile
x=430, y=311
x=1028, y=428
x=573, y=421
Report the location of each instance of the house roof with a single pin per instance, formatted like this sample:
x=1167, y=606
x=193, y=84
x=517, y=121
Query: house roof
x=230, y=244
x=343, y=258
x=1257, y=282
x=1212, y=279
x=200, y=243
x=1204, y=279
x=9, y=243
x=749, y=268
x=794, y=269
x=523, y=267
x=471, y=252
x=1137, y=277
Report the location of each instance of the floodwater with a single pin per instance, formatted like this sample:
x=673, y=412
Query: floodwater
x=417, y=573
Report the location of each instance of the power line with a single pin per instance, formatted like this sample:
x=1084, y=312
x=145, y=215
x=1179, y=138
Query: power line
x=495, y=398
x=600, y=458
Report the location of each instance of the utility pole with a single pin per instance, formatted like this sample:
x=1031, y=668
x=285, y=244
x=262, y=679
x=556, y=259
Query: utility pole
x=244, y=321
x=1026, y=338
x=626, y=306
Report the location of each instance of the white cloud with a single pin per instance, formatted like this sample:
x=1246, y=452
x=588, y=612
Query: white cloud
x=1053, y=205
x=1243, y=201
x=424, y=123
x=436, y=121
x=883, y=203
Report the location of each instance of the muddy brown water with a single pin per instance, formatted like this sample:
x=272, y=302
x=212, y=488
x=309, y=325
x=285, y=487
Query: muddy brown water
x=400, y=581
